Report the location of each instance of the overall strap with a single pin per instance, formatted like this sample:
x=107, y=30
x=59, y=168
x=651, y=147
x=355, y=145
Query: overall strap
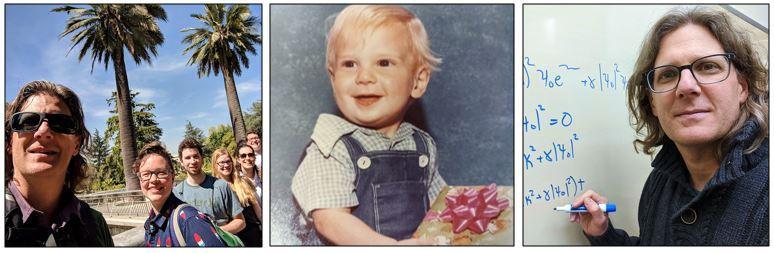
x=355, y=150
x=420, y=142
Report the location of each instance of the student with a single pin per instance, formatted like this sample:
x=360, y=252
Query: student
x=223, y=168
x=254, y=140
x=379, y=62
x=154, y=169
x=246, y=156
x=208, y=194
x=699, y=93
x=44, y=137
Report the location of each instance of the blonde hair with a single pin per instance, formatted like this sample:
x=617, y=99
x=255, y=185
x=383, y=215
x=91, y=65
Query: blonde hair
x=747, y=64
x=366, y=18
x=243, y=187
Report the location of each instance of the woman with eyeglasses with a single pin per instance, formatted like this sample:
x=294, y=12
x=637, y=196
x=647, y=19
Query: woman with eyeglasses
x=44, y=168
x=224, y=168
x=699, y=97
x=171, y=222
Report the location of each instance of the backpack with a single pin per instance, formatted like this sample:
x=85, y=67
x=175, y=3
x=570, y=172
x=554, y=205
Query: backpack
x=229, y=239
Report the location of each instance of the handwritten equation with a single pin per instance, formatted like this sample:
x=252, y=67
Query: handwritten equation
x=567, y=189
x=600, y=77
x=540, y=119
x=556, y=152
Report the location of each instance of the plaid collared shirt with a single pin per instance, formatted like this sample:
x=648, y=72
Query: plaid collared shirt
x=326, y=176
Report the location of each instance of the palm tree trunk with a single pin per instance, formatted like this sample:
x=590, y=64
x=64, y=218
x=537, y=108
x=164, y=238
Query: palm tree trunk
x=126, y=130
x=235, y=110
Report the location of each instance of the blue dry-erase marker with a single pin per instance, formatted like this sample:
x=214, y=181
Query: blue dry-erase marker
x=607, y=208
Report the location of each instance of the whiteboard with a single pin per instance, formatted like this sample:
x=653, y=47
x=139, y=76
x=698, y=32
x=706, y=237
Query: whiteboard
x=576, y=64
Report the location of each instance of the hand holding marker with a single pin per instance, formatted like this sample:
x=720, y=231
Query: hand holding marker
x=607, y=208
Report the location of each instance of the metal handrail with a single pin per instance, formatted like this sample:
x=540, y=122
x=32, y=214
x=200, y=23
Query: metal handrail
x=118, y=203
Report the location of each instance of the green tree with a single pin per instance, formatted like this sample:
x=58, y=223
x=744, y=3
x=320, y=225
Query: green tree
x=220, y=136
x=96, y=154
x=254, y=117
x=145, y=122
x=228, y=35
x=104, y=30
x=194, y=132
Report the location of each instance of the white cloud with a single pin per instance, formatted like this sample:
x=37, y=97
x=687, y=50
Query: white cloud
x=166, y=64
x=249, y=87
x=147, y=95
x=199, y=115
x=220, y=100
x=101, y=113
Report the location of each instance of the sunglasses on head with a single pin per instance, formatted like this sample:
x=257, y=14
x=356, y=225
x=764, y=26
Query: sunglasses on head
x=246, y=155
x=31, y=121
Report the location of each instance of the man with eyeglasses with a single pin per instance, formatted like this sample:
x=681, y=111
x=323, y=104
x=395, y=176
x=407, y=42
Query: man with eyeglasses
x=207, y=193
x=254, y=140
x=699, y=93
x=44, y=168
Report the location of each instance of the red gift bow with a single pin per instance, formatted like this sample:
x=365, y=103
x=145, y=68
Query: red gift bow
x=471, y=209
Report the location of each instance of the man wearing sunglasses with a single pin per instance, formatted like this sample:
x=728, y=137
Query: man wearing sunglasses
x=44, y=135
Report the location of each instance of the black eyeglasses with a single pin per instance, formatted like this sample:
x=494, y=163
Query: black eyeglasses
x=161, y=175
x=30, y=122
x=706, y=70
x=246, y=155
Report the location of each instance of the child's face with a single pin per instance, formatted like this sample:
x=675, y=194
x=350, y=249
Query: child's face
x=375, y=76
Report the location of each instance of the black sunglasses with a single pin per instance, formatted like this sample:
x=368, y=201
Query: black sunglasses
x=30, y=122
x=246, y=155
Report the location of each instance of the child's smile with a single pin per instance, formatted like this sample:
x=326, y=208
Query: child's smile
x=375, y=77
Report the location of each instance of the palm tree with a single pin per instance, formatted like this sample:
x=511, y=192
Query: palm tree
x=105, y=30
x=228, y=35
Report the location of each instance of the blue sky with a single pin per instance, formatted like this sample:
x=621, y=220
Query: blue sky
x=34, y=51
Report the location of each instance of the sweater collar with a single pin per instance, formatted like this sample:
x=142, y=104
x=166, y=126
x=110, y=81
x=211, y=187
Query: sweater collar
x=733, y=166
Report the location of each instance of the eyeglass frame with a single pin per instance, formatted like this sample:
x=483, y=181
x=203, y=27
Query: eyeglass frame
x=245, y=155
x=223, y=164
x=729, y=57
x=44, y=117
x=169, y=172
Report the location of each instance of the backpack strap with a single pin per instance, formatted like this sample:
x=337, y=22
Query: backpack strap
x=176, y=224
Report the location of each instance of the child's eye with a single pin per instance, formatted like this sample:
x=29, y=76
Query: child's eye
x=348, y=64
x=384, y=63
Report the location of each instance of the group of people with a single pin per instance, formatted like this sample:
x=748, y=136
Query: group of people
x=45, y=135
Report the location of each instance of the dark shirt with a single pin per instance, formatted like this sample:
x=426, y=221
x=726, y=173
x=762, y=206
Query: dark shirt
x=195, y=226
x=732, y=209
x=75, y=224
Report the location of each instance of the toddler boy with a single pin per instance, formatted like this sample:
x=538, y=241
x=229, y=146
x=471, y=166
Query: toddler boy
x=369, y=177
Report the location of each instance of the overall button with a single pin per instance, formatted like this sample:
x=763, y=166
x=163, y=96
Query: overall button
x=689, y=216
x=363, y=162
x=423, y=161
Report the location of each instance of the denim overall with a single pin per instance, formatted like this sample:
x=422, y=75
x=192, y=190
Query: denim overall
x=391, y=187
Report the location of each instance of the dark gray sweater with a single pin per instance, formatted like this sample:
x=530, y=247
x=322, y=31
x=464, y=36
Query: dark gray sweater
x=732, y=209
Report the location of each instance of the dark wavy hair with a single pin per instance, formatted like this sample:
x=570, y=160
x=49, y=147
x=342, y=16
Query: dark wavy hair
x=155, y=148
x=77, y=168
x=189, y=143
x=746, y=63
